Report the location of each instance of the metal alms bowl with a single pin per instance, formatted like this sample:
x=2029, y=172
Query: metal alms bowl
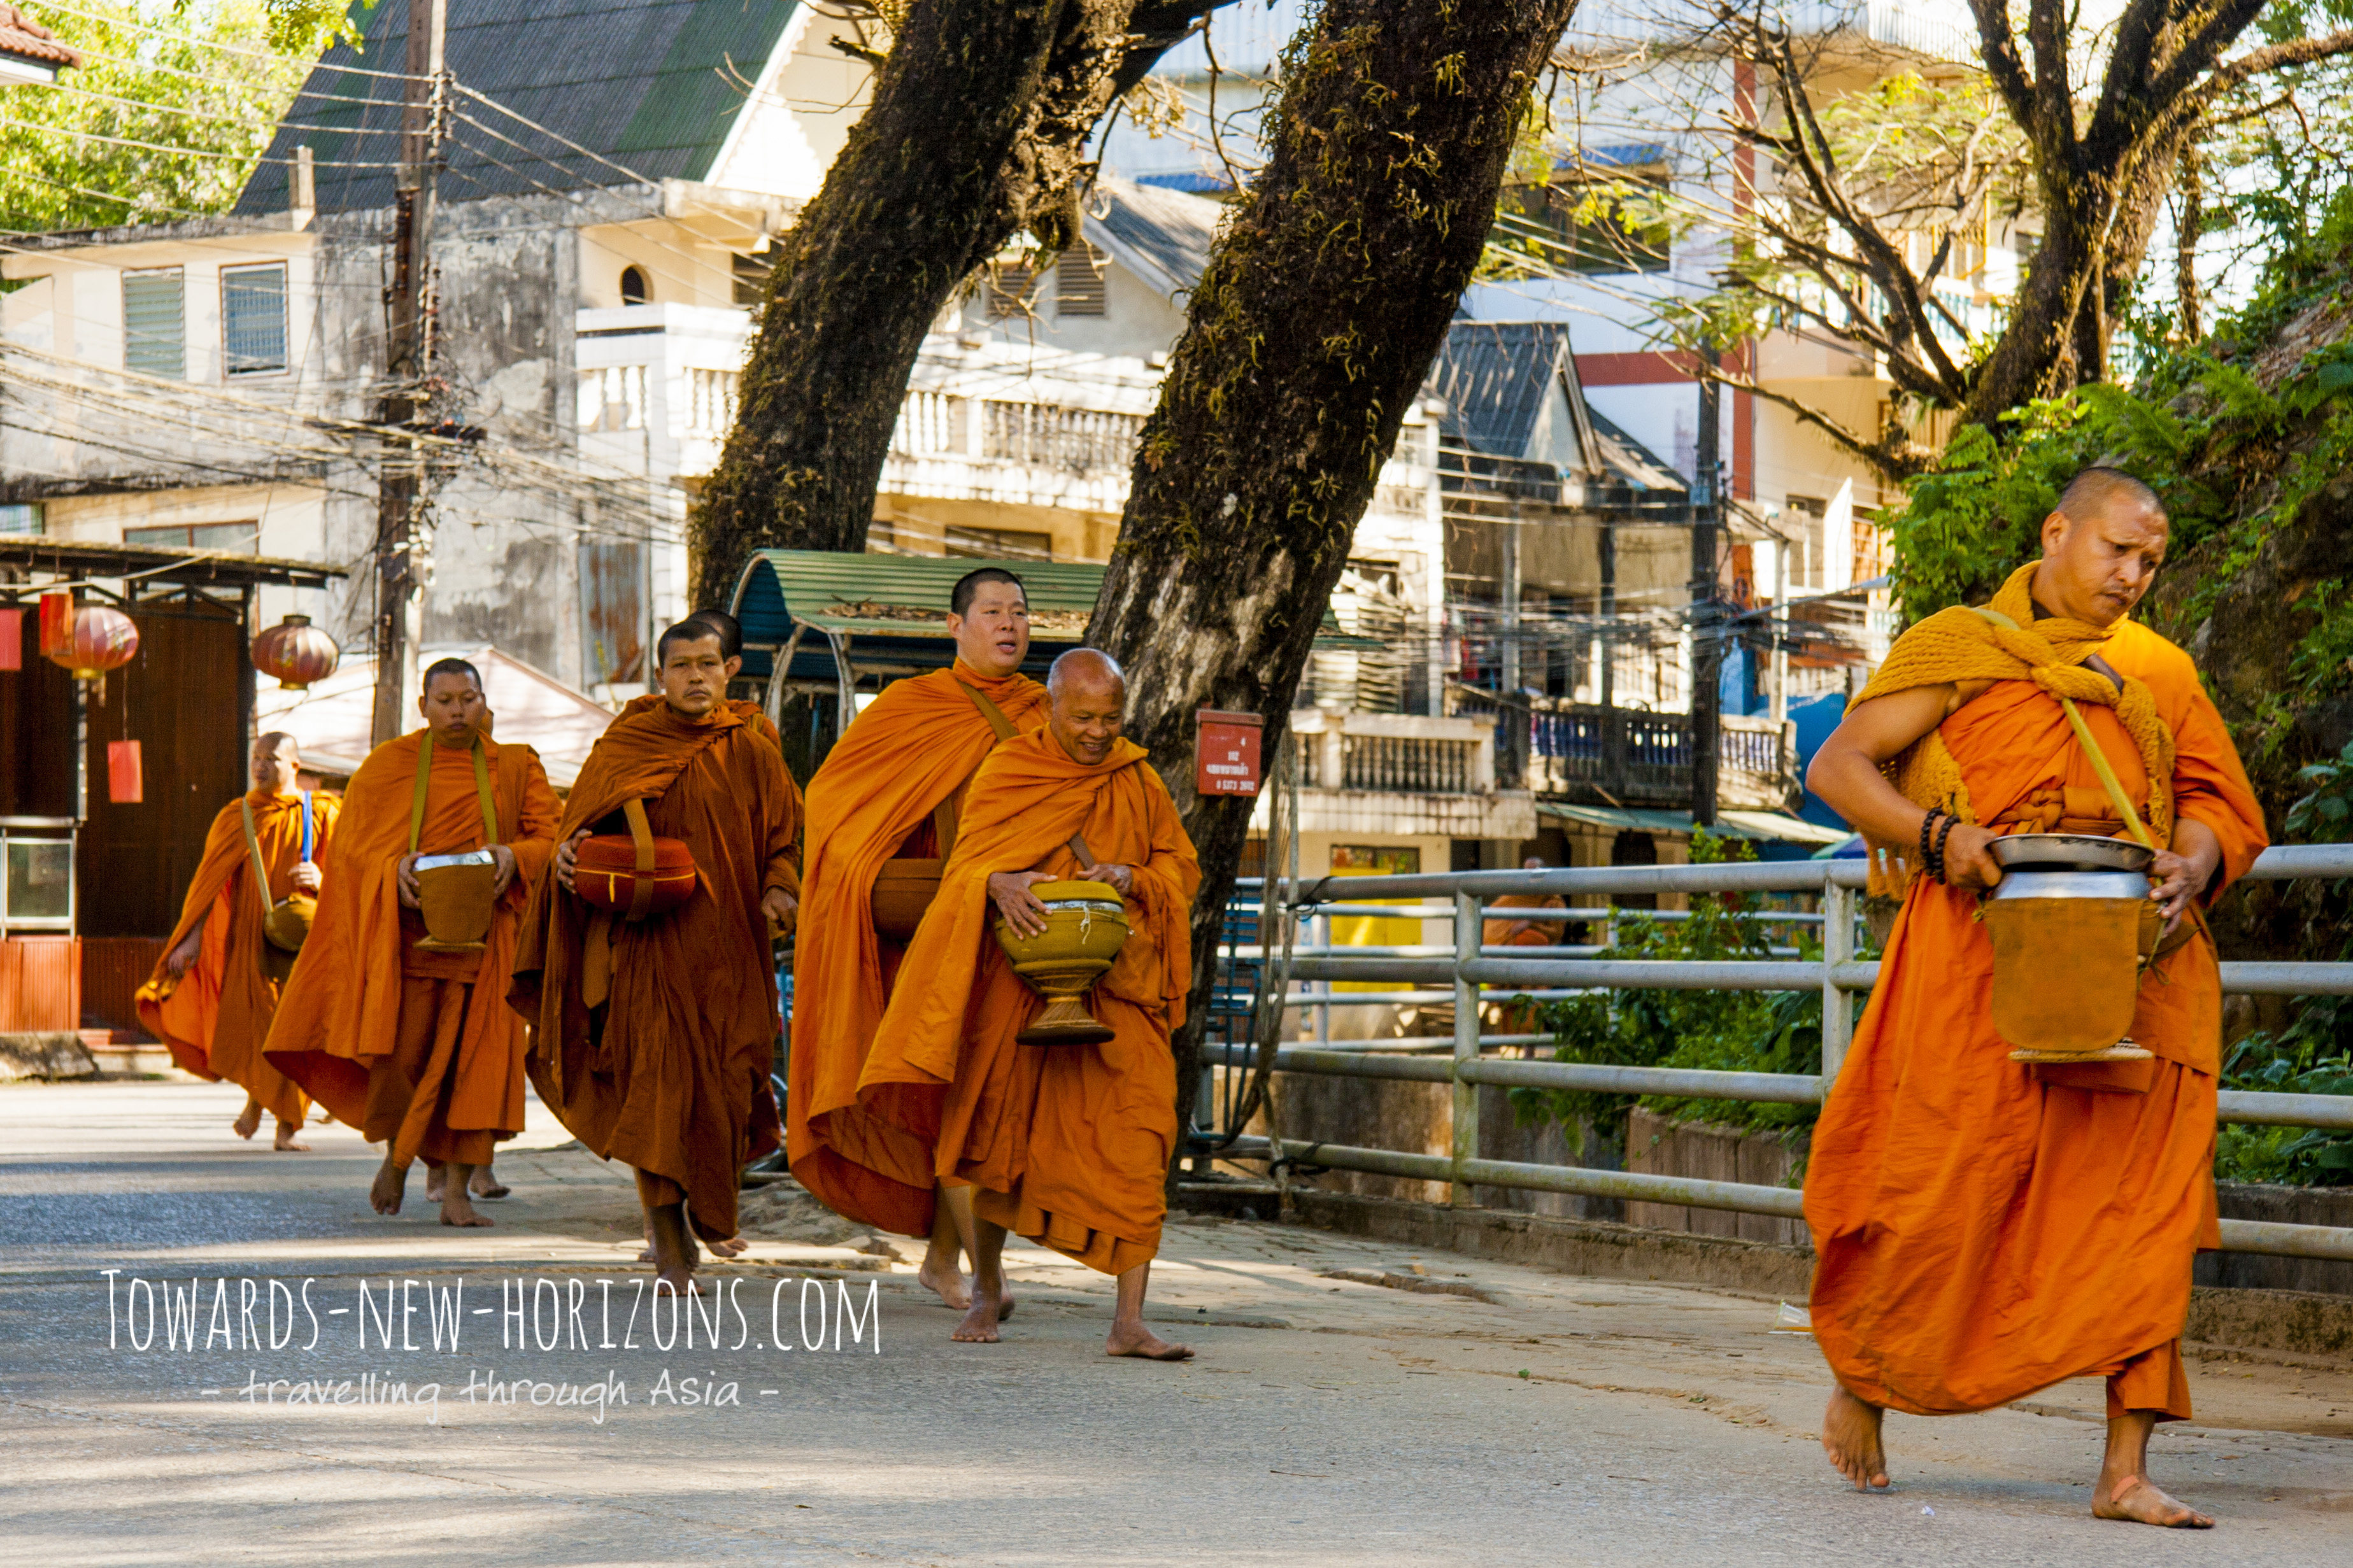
x=2068, y=852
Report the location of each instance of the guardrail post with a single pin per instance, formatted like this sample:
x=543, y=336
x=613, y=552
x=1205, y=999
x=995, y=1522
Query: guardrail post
x=1838, y=1004
x=1468, y=925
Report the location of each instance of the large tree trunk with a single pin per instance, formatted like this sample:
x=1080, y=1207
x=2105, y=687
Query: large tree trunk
x=978, y=131
x=1326, y=296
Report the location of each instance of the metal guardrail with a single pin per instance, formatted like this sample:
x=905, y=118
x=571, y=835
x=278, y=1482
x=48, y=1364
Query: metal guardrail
x=1473, y=974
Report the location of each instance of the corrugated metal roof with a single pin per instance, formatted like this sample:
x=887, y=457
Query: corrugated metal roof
x=1160, y=234
x=894, y=609
x=1494, y=376
x=651, y=84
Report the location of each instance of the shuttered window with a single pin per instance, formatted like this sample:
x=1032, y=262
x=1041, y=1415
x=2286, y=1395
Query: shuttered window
x=155, y=323
x=253, y=318
x=1079, y=282
x=1010, y=284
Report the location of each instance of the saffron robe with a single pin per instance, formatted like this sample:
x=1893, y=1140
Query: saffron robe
x=915, y=746
x=214, y=1020
x=667, y=1072
x=1068, y=1145
x=414, y=1048
x=1984, y=1230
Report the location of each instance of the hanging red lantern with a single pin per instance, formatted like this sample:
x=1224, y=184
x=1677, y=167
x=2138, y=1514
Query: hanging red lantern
x=100, y=638
x=297, y=653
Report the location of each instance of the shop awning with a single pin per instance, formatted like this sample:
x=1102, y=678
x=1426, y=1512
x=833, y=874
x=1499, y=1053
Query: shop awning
x=1750, y=825
x=890, y=612
x=67, y=560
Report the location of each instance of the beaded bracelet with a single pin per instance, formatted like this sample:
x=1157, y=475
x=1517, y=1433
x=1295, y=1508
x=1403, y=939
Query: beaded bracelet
x=1927, y=825
x=1944, y=832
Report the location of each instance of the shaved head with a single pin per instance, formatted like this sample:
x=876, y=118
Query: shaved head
x=1086, y=704
x=1085, y=665
x=2102, y=545
x=275, y=762
x=2095, y=491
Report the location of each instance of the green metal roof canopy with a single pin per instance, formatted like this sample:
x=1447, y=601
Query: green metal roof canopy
x=888, y=613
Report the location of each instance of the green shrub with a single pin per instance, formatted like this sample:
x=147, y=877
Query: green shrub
x=1730, y=1031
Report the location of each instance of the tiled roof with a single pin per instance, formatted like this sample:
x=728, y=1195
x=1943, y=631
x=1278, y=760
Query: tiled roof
x=654, y=85
x=27, y=40
x=1494, y=377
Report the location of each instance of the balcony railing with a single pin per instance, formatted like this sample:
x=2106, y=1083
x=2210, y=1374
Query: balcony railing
x=1626, y=756
x=1044, y=436
x=1395, y=754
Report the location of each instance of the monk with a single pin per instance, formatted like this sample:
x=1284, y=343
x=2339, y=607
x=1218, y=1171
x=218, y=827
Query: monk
x=652, y=1038
x=411, y=1044
x=1505, y=930
x=1068, y=1144
x=766, y=1127
x=897, y=776
x=1984, y=1227
x=213, y=994
x=484, y=1183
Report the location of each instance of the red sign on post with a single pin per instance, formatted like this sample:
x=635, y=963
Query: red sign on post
x=12, y=639
x=1224, y=752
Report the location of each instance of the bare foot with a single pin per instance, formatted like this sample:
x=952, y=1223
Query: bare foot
x=249, y=1120
x=2136, y=1497
x=946, y=1281
x=436, y=1182
x=391, y=1181
x=681, y=1282
x=289, y=1139
x=1135, y=1340
x=1850, y=1437
x=456, y=1210
x=731, y=1247
x=485, y=1184
x=979, y=1324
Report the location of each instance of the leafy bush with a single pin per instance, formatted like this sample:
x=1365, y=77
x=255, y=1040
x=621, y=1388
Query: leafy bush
x=1731, y=1031
x=2309, y=1056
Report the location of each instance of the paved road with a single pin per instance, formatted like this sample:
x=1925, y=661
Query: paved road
x=1537, y=1418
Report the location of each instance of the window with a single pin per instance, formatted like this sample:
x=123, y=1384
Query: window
x=1079, y=282
x=634, y=289
x=155, y=323
x=1010, y=285
x=242, y=538
x=751, y=279
x=1589, y=220
x=22, y=517
x=253, y=319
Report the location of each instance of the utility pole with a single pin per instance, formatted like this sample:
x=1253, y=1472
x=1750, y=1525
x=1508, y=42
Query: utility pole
x=403, y=542
x=1707, y=648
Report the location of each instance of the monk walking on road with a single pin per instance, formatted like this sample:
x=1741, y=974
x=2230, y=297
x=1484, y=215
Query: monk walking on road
x=1068, y=1145
x=894, y=787
x=403, y=1034
x=653, y=1038
x=1986, y=1227
x=212, y=997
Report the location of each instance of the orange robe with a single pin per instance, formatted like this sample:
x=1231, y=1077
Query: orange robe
x=214, y=1020
x=1069, y=1145
x=872, y=801
x=667, y=1072
x=1983, y=1229
x=412, y=1047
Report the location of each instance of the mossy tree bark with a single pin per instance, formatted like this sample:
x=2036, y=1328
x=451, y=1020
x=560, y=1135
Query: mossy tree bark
x=977, y=131
x=1326, y=296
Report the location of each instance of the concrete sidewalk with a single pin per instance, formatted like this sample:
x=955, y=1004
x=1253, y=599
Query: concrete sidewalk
x=1354, y=1403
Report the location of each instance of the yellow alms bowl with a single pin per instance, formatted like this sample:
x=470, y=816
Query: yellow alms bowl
x=1086, y=925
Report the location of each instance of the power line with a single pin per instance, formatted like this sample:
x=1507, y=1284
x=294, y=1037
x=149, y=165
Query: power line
x=179, y=151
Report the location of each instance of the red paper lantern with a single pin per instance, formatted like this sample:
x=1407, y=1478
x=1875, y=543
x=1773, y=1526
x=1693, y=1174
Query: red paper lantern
x=100, y=638
x=296, y=652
